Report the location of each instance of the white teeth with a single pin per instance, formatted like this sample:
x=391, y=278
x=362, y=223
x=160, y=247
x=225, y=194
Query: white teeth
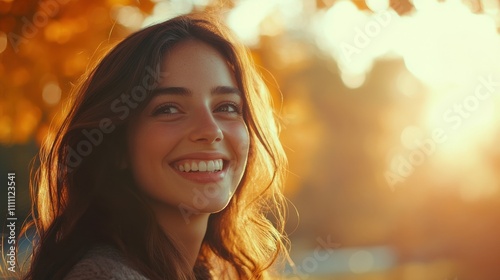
x=194, y=166
x=201, y=166
x=210, y=166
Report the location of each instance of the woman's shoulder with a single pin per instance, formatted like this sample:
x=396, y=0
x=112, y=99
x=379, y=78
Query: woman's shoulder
x=103, y=262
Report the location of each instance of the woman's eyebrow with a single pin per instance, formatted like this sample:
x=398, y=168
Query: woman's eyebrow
x=226, y=90
x=172, y=91
x=186, y=92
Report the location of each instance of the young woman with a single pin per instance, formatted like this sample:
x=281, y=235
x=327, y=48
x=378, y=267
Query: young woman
x=168, y=165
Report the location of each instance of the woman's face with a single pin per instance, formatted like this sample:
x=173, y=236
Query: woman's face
x=188, y=148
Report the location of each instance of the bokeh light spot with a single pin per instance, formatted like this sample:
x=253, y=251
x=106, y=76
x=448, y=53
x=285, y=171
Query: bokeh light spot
x=51, y=93
x=353, y=80
x=128, y=16
x=361, y=261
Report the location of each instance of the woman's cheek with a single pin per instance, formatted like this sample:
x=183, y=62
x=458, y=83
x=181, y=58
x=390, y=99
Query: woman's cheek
x=240, y=138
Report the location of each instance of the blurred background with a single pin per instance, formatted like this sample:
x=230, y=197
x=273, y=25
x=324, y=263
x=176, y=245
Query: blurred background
x=390, y=119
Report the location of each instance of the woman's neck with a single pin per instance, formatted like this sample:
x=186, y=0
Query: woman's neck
x=186, y=231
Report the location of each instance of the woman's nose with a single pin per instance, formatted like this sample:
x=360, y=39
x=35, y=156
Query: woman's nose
x=206, y=129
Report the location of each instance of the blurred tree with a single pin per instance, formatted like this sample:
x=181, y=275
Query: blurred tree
x=46, y=46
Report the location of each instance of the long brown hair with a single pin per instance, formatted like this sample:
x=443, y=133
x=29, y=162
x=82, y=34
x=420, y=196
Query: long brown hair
x=81, y=196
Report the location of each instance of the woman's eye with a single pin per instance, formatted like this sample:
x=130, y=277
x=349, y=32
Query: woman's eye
x=166, y=109
x=229, y=108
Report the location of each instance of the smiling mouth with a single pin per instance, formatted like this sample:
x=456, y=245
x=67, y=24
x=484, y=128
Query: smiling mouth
x=191, y=166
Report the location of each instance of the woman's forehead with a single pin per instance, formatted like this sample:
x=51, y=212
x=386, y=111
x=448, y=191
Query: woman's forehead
x=193, y=62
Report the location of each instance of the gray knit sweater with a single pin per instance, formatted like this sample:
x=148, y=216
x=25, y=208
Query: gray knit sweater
x=103, y=263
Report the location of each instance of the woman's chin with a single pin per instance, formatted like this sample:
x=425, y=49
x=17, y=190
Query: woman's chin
x=204, y=205
x=215, y=205
x=212, y=198
x=219, y=207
